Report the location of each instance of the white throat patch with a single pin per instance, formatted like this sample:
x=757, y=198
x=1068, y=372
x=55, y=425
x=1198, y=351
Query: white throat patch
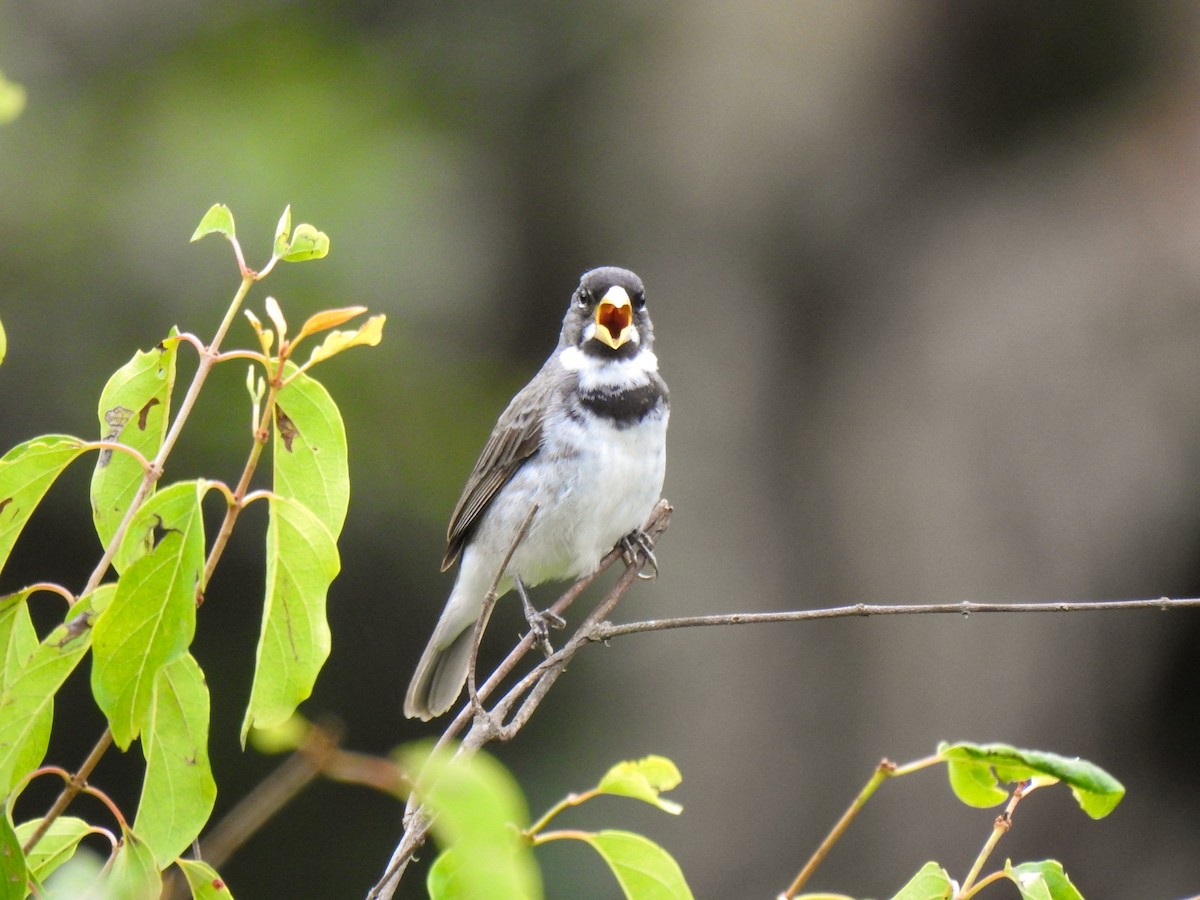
x=595, y=372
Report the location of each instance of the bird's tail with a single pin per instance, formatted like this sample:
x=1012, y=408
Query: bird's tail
x=442, y=671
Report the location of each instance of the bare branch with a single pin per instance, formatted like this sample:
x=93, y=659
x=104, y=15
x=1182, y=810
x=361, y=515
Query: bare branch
x=606, y=630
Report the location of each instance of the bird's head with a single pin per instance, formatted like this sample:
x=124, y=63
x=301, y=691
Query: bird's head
x=608, y=315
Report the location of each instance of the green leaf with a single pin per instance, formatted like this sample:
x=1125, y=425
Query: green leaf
x=204, y=881
x=932, y=882
x=644, y=870
x=282, y=230
x=12, y=104
x=27, y=703
x=13, y=871
x=26, y=473
x=369, y=334
x=56, y=846
x=310, y=457
x=306, y=243
x=643, y=779
x=18, y=640
x=152, y=617
x=975, y=785
x=3, y=337
x=447, y=878
x=478, y=809
x=134, y=874
x=179, y=791
x=218, y=219
x=302, y=561
x=135, y=408
x=976, y=766
x=1043, y=880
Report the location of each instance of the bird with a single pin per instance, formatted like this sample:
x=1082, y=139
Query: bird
x=585, y=442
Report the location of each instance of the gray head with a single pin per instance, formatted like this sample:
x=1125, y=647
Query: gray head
x=608, y=315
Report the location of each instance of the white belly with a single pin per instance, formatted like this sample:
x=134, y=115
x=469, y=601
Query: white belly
x=592, y=487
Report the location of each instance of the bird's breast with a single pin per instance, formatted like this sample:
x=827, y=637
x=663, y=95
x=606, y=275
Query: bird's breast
x=597, y=478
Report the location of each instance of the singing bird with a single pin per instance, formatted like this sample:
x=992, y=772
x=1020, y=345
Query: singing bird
x=585, y=441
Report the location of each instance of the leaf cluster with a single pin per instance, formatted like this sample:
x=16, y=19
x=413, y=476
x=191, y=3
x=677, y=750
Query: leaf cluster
x=488, y=848
x=137, y=615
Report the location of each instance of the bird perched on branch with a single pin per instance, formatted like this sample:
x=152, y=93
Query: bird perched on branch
x=584, y=441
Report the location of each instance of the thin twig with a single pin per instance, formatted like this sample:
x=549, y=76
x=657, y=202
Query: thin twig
x=999, y=828
x=489, y=601
x=76, y=784
x=885, y=770
x=606, y=630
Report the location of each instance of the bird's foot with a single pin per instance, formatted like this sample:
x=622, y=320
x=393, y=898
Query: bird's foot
x=637, y=540
x=540, y=621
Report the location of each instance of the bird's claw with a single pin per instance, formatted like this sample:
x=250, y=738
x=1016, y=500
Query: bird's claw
x=637, y=540
x=540, y=621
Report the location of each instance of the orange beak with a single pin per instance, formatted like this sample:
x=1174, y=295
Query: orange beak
x=614, y=318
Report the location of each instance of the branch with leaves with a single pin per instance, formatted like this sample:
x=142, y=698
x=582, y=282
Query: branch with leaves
x=139, y=624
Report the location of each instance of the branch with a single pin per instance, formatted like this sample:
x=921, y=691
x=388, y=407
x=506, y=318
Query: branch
x=607, y=630
x=488, y=725
x=508, y=715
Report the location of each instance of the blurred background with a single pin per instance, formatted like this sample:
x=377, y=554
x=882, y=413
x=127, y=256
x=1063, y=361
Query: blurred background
x=926, y=283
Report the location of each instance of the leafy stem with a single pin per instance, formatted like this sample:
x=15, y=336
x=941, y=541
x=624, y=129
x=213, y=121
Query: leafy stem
x=236, y=502
x=885, y=770
x=153, y=471
x=534, y=831
x=1000, y=828
x=208, y=358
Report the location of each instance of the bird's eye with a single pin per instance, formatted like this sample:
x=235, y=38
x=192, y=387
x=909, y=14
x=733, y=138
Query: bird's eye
x=639, y=300
x=584, y=297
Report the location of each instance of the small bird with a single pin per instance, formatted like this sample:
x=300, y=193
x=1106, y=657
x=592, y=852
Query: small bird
x=585, y=441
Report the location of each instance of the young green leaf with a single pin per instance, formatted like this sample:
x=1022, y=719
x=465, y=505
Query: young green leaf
x=3, y=342
x=326, y=319
x=134, y=875
x=477, y=804
x=179, y=791
x=309, y=454
x=644, y=870
x=282, y=231
x=152, y=617
x=1043, y=880
x=204, y=881
x=643, y=779
x=932, y=882
x=369, y=334
x=302, y=561
x=56, y=846
x=135, y=407
x=14, y=872
x=18, y=640
x=26, y=473
x=217, y=220
x=27, y=703
x=306, y=243
x=976, y=766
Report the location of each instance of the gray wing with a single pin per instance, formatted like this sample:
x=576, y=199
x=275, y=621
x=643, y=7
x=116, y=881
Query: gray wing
x=516, y=437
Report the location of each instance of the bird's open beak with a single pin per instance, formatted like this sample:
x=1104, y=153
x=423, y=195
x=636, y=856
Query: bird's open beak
x=614, y=318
